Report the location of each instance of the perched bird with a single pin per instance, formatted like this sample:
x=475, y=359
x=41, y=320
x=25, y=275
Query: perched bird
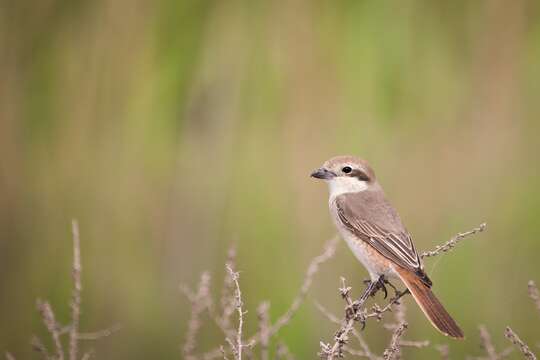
x=373, y=230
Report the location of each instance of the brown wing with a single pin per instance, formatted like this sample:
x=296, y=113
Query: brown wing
x=369, y=216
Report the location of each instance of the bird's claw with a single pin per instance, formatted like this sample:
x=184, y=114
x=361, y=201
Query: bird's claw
x=380, y=285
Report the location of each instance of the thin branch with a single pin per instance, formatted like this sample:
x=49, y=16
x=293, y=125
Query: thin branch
x=76, y=296
x=223, y=352
x=52, y=326
x=87, y=355
x=487, y=344
x=514, y=339
x=264, y=327
x=394, y=349
x=450, y=244
x=534, y=294
x=363, y=344
x=414, y=344
x=227, y=296
x=283, y=352
x=237, y=348
x=353, y=312
x=354, y=352
x=38, y=346
x=55, y=329
x=96, y=335
x=444, y=351
x=199, y=303
x=313, y=268
x=9, y=356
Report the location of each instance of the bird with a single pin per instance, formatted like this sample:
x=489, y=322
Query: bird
x=373, y=230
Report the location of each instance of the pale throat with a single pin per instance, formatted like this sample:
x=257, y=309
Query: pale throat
x=344, y=185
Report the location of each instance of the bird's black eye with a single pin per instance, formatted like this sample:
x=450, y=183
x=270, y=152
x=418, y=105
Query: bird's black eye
x=346, y=169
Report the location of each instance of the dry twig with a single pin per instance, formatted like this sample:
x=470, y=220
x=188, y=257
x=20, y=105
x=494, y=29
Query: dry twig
x=264, y=328
x=313, y=268
x=354, y=311
x=284, y=319
x=514, y=339
x=55, y=330
x=227, y=297
x=38, y=347
x=76, y=297
x=534, y=294
x=49, y=320
x=450, y=244
x=488, y=346
x=414, y=344
x=87, y=355
x=283, y=352
x=239, y=345
x=96, y=335
x=443, y=351
x=363, y=344
x=199, y=302
x=394, y=349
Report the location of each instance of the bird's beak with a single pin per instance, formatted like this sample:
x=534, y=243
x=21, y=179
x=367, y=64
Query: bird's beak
x=323, y=173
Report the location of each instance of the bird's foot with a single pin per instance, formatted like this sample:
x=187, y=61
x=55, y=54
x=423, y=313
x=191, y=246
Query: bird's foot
x=396, y=290
x=374, y=287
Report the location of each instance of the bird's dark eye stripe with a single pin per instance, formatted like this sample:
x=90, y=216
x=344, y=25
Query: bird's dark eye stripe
x=346, y=169
x=360, y=175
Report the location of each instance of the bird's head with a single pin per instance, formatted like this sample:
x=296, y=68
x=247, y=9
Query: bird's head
x=346, y=174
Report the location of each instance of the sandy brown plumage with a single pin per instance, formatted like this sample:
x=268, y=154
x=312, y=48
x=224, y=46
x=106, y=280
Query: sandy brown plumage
x=430, y=305
x=374, y=231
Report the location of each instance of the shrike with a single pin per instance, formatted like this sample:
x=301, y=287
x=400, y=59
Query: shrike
x=373, y=230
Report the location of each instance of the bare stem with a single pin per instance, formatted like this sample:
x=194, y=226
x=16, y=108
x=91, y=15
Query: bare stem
x=76, y=296
x=394, y=349
x=283, y=352
x=534, y=294
x=488, y=346
x=514, y=339
x=284, y=319
x=264, y=327
x=199, y=302
x=444, y=351
x=313, y=268
x=38, y=346
x=96, y=335
x=353, y=312
x=450, y=244
x=237, y=348
x=52, y=326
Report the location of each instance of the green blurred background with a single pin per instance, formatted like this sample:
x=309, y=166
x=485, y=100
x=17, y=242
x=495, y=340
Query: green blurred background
x=172, y=129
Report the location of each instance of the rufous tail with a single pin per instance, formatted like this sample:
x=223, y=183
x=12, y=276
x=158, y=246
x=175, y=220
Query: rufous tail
x=429, y=304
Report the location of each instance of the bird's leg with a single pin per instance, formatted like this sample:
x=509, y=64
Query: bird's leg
x=400, y=294
x=371, y=289
x=381, y=285
x=397, y=293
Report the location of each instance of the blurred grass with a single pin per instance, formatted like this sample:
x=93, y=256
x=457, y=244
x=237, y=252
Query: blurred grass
x=172, y=129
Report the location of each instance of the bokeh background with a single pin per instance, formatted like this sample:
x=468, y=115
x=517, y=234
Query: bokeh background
x=172, y=129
